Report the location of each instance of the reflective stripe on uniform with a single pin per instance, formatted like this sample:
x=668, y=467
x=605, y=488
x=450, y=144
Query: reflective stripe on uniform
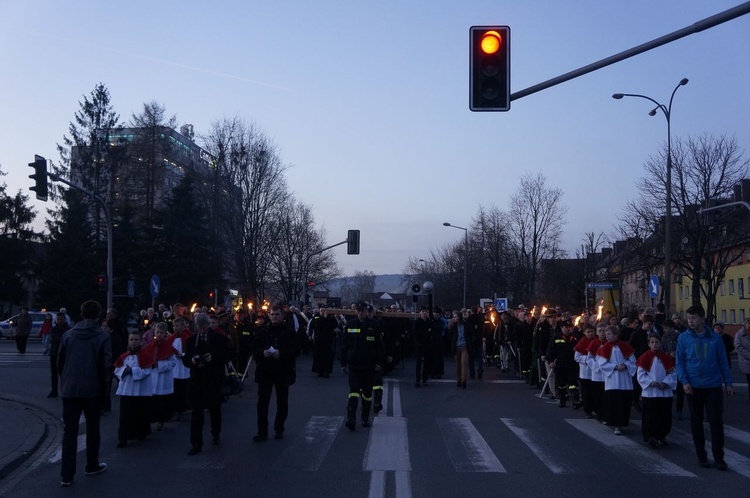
x=354, y=395
x=354, y=331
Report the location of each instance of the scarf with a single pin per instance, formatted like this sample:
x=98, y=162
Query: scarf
x=145, y=359
x=647, y=359
x=583, y=345
x=606, y=350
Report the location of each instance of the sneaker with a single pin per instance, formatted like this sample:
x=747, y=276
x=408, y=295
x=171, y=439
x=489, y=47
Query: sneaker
x=278, y=435
x=98, y=470
x=721, y=464
x=66, y=484
x=618, y=431
x=653, y=442
x=663, y=442
x=350, y=424
x=365, y=423
x=703, y=462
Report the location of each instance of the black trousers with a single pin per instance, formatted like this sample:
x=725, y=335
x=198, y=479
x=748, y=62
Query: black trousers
x=423, y=366
x=588, y=396
x=264, y=400
x=598, y=388
x=180, y=395
x=197, y=418
x=617, y=403
x=361, y=381
x=711, y=401
x=72, y=409
x=54, y=378
x=656, y=419
x=135, y=417
x=21, y=341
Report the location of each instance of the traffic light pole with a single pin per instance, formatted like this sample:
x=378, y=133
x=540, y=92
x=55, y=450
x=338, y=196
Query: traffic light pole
x=108, y=219
x=699, y=26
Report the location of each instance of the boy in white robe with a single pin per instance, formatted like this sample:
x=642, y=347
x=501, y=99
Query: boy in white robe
x=135, y=389
x=163, y=353
x=616, y=360
x=658, y=379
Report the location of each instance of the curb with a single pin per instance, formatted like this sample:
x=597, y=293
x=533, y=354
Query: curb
x=33, y=440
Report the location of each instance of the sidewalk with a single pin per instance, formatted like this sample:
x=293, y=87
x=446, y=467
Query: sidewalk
x=22, y=430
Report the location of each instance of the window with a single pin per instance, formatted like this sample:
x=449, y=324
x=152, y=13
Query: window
x=681, y=292
x=722, y=288
x=731, y=287
x=742, y=316
x=732, y=316
x=687, y=292
x=724, y=316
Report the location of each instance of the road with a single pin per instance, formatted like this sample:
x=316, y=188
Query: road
x=496, y=438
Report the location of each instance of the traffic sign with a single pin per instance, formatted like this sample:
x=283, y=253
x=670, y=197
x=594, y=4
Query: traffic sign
x=501, y=303
x=155, y=286
x=653, y=286
x=600, y=285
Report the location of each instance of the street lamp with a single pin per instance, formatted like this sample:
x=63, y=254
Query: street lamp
x=466, y=253
x=667, y=111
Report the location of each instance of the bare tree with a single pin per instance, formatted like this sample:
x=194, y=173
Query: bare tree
x=705, y=169
x=293, y=263
x=249, y=189
x=536, y=217
x=358, y=286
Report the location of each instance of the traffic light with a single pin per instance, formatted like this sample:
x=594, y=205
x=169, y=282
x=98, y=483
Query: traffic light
x=101, y=282
x=40, y=177
x=311, y=283
x=352, y=242
x=489, y=68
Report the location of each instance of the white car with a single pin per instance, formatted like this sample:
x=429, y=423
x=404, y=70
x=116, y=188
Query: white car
x=9, y=332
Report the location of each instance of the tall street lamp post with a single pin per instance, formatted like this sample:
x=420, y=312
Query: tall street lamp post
x=466, y=253
x=667, y=111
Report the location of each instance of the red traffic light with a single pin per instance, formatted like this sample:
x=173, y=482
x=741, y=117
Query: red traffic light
x=491, y=42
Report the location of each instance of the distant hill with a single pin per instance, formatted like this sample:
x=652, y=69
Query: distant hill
x=383, y=283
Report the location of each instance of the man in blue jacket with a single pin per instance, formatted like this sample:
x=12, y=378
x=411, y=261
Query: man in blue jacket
x=702, y=368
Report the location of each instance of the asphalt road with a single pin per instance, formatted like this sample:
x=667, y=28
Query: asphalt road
x=496, y=438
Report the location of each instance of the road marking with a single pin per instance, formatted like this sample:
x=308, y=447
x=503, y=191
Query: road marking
x=467, y=449
x=388, y=445
x=396, y=398
x=544, y=454
x=736, y=462
x=308, y=451
x=377, y=484
x=637, y=455
x=736, y=434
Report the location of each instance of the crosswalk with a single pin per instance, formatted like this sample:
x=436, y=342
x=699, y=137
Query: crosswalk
x=15, y=358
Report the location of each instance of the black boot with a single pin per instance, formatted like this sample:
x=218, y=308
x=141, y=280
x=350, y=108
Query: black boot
x=575, y=395
x=378, y=403
x=561, y=392
x=351, y=413
x=366, y=412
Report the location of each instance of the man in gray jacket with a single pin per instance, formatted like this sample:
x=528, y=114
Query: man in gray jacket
x=83, y=361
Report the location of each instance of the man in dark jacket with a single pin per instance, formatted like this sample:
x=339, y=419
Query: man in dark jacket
x=474, y=327
x=56, y=335
x=362, y=354
x=274, y=349
x=206, y=355
x=561, y=358
x=84, y=363
x=323, y=330
x=424, y=328
x=23, y=324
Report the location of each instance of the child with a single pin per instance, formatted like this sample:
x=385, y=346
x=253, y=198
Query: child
x=597, y=377
x=658, y=378
x=584, y=369
x=44, y=332
x=135, y=389
x=163, y=354
x=616, y=360
x=181, y=373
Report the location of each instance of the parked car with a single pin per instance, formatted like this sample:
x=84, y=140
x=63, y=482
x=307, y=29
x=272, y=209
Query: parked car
x=8, y=331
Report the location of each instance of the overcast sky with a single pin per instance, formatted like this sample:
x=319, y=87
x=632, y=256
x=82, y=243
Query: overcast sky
x=368, y=101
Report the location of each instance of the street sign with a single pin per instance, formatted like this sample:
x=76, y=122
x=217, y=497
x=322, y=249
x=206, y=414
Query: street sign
x=154, y=286
x=600, y=285
x=501, y=303
x=653, y=286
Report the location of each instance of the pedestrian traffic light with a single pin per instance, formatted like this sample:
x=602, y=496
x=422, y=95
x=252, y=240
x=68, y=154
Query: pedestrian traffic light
x=352, y=242
x=101, y=282
x=39, y=177
x=489, y=68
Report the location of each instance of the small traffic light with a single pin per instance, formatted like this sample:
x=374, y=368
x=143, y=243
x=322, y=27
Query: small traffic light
x=352, y=242
x=311, y=283
x=39, y=177
x=489, y=68
x=101, y=282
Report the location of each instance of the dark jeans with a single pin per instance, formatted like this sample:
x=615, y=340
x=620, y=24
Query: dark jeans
x=72, y=408
x=197, y=418
x=423, y=366
x=21, y=341
x=264, y=400
x=711, y=401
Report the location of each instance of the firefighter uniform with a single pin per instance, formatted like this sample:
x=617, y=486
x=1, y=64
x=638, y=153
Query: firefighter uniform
x=561, y=353
x=362, y=353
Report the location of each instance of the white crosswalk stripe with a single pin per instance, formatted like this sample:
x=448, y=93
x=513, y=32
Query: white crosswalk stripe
x=308, y=451
x=15, y=358
x=467, y=449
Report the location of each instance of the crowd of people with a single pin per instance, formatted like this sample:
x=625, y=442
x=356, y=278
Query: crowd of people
x=176, y=362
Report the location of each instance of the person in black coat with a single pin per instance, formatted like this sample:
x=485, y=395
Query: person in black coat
x=206, y=355
x=561, y=358
x=61, y=326
x=274, y=349
x=323, y=331
x=424, y=328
